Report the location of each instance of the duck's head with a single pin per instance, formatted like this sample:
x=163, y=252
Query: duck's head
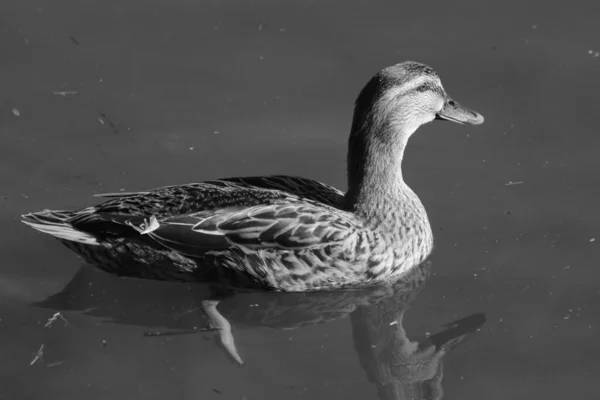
x=406, y=96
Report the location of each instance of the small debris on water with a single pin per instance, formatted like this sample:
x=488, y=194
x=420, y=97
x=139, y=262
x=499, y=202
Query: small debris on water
x=54, y=364
x=393, y=323
x=16, y=112
x=38, y=355
x=511, y=183
x=104, y=118
x=55, y=317
x=592, y=240
x=594, y=53
x=66, y=93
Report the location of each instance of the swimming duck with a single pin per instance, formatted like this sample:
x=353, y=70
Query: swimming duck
x=278, y=232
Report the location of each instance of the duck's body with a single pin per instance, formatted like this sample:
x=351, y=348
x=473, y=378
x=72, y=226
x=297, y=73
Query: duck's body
x=279, y=232
x=282, y=233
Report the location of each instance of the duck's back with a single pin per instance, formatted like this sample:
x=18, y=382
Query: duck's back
x=118, y=235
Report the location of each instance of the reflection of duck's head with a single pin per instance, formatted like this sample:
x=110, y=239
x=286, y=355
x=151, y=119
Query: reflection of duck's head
x=416, y=369
x=400, y=368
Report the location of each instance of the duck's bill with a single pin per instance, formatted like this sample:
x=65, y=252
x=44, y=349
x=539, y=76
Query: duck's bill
x=454, y=112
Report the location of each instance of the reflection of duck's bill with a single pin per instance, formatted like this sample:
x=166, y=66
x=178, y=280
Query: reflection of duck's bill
x=455, y=112
x=455, y=331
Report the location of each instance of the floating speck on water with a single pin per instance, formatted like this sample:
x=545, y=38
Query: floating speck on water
x=261, y=58
x=38, y=355
x=533, y=26
x=66, y=93
x=192, y=148
x=54, y=364
x=16, y=112
x=590, y=51
x=216, y=132
x=592, y=240
x=260, y=27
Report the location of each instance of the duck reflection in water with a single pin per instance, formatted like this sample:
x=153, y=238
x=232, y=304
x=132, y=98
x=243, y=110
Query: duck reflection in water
x=400, y=368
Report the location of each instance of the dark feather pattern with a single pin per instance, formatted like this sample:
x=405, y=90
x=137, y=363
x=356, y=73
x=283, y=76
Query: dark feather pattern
x=270, y=237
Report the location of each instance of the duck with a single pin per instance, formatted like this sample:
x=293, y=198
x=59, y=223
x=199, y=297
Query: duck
x=281, y=233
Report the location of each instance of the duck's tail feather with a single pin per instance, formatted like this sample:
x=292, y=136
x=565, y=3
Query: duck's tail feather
x=56, y=223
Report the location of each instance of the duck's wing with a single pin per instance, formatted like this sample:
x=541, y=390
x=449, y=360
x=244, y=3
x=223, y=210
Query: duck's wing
x=303, y=187
x=124, y=210
x=297, y=186
x=281, y=226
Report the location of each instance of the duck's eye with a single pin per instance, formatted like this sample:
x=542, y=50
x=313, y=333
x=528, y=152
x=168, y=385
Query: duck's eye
x=423, y=88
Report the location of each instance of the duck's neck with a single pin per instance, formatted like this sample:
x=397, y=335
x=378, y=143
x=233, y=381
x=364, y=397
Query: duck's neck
x=375, y=152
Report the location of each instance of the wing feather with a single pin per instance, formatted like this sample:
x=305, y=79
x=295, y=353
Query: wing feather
x=282, y=226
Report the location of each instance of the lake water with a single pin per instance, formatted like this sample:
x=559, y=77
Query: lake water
x=124, y=95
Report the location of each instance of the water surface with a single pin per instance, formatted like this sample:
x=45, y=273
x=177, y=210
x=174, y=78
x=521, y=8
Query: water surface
x=177, y=91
